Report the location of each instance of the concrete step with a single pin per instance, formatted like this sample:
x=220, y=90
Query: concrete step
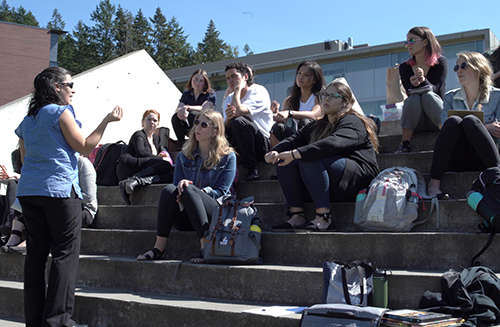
x=261, y=285
x=108, y=307
x=411, y=250
x=455, y=215
x=418, y=143
x=456, y=184
x=390, y=127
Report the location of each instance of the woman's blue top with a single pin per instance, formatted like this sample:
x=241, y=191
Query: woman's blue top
x=50, y=165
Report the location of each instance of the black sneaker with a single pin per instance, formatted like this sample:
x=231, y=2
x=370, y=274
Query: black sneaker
x=404, y=147
x=252, y=175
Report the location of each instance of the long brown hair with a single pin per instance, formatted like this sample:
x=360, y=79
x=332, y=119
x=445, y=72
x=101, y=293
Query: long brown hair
x=206, y=88
x=317, y=87
x=325, y=127
x=433, y=49
x=219, y=147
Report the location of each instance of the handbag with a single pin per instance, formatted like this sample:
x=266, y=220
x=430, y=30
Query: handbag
x=349, y=283
x=395, y=90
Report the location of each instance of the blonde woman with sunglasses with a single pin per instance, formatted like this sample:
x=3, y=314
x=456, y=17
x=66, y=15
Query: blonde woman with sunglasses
x=467, y=144
x=424, y=79
x=204, y=171
x=329, y=160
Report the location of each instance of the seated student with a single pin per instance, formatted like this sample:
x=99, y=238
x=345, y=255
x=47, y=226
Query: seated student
x=198, y=95
x=424, y=79
x=87, y=182
x=204, y=171
x=332, y=159
x=8, y=185
x=303, y=106
x=145, y=162
x=248, y=117
x=467, y=144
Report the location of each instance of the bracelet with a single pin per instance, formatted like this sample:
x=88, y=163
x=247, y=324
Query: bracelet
x=293, y=156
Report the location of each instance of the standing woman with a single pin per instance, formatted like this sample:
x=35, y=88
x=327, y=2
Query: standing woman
x=48, y=190
x=303, y=106
x=145, y=162
x=467, y=144
x=333, y=158
x=424, y=79
x=198, y=95
x=204, y=171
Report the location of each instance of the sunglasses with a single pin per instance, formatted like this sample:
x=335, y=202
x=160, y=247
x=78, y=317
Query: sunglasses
x=70, y=84
x=411, y=42
x=330, y=96
x=462, y=66
x=203, y=124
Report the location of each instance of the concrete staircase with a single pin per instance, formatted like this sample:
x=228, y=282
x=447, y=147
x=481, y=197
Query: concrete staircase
x=116, y=290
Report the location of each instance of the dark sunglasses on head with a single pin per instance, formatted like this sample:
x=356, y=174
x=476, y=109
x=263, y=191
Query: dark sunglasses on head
x=411, y=42
x=462, y=66
x=70, y=84
x=203, y=124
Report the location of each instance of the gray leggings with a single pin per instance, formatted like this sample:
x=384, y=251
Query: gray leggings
x=422, y=112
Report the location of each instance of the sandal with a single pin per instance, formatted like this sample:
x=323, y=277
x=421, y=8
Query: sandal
x=157, y=254
x=326, y=217
x=197, y=257
x=286, y=224
x=7, y=248
x=404, y=147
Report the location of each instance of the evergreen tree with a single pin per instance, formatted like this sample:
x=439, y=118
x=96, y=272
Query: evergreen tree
x=6, y=13
x=81, y=51
x=179, y=51
x=247, y=50
x=56, y=22
x=101, y=34
x=122, y=30
x=141, y=31
x=213, y=48
x=159, y=40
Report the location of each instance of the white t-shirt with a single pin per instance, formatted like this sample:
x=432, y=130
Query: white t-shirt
x=257, y=101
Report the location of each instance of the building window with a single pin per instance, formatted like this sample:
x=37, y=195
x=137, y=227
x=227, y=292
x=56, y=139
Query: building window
x=359, y=65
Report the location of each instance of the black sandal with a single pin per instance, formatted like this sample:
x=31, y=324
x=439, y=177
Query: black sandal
x=286, y=224
x=404, y=147
x=7, y=248
x=197, y=257
x=157, y=254
x=326, y=217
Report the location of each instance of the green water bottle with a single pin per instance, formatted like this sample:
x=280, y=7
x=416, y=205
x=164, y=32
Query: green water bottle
x=380, y=288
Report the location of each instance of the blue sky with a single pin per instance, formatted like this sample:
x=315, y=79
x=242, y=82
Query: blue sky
x=273, y=25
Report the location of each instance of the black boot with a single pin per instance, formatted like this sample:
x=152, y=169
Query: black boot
x=136, y=182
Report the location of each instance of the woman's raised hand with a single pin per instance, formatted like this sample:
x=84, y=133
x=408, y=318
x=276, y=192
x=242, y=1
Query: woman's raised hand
x=116, y=114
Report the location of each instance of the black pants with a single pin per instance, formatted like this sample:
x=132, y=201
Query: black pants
x=181, y=128
x=129, y=165
x=249, y=141
x=198, y=207
x=463, y=145
x=53, y=226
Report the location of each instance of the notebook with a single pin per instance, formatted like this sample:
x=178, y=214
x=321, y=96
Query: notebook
x=463, y=113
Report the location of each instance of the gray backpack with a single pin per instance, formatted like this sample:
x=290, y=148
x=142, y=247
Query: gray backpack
x=390, y=203
x=234, y=234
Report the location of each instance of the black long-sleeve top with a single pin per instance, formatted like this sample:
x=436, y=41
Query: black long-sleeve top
x=436, y=77
x=138, y=146
x=350, y=139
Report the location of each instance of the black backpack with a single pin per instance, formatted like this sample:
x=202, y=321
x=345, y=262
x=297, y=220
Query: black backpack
x=105, y=162
x=488, y=185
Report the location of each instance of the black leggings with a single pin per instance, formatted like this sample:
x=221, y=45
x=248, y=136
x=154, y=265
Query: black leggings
x=463, y=145
x=198, y=207
x=130, y=165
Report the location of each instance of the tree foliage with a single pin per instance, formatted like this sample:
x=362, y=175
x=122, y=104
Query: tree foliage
x=18, y=16
x=116, y=31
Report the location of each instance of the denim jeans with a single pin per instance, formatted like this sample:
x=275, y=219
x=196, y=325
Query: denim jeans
x=313, y=180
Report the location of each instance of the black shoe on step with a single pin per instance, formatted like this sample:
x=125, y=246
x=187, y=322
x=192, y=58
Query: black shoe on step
x=252, y=175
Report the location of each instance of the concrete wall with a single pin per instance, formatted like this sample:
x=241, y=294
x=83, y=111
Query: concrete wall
x=24, y=52
x=133, y=81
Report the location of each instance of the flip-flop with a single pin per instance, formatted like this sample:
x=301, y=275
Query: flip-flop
x=197, y=257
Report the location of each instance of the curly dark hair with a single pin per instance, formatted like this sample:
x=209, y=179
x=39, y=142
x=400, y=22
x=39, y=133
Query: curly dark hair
x=243, y=69
x=44, y=92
